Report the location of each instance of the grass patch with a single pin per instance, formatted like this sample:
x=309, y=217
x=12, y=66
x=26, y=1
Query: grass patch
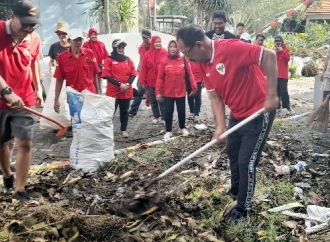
x=281, y=126
x=283, y=190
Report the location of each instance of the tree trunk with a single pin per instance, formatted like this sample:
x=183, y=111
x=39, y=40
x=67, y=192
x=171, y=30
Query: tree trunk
x=107, y=17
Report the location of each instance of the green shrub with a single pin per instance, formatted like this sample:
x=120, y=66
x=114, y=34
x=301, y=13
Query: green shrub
x=292, y=70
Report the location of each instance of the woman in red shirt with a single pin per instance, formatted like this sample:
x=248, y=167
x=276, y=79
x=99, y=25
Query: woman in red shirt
x=148, y=75
x=120, y=72
x=171, y=87
x=99, y=51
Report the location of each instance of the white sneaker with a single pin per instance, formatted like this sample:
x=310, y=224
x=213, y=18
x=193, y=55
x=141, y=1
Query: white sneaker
x=146, y=108
x=196, y=118
x=124, y=134
x=191, y=116
x=155, y=121
x=184, y=132
x=168, y=135
x=289, y=111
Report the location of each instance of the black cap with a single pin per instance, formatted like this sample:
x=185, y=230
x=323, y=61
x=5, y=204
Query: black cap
x=27, y=11
x=117, y=42
x=278, y=38
x=146, y=33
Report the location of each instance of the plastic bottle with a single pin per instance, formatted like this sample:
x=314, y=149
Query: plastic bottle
x=320, y=155
x=300, y=166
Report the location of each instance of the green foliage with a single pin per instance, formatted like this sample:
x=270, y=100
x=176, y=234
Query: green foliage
x=316, y=35
x=292, y=70
x=256, y=14
x=175, y=7
x=122, y=12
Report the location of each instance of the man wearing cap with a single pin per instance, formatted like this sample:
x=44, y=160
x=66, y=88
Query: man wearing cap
x=245, y=37
x=78, y=66
x=283, y=58
x=144, y=47
x=99, y=51
x=62, y=29
x=19, y=53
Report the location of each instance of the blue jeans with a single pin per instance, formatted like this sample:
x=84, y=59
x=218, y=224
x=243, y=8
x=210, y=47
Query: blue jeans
x=137, y=100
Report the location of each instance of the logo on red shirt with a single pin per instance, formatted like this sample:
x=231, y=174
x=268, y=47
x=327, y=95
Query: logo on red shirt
x=221, y=68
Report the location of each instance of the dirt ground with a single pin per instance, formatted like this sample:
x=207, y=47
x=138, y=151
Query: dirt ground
x=189, y=204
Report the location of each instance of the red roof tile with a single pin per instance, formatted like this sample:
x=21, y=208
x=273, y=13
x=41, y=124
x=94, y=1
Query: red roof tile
x=322, y=6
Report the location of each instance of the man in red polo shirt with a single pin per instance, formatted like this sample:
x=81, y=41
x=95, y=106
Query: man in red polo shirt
x=78, y=66
x=19, y=54
x=232, y=79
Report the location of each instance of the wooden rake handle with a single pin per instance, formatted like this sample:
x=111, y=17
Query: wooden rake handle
x=206, y=146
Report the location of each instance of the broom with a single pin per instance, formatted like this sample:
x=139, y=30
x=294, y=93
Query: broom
x=318, y=120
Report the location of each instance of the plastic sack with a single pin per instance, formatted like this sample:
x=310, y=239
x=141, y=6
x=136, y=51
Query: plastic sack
x=92, y=145
x=63, y=116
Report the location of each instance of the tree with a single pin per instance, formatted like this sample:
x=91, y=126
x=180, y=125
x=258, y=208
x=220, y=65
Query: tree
x=107, y=17
x=122, y=11
x=197, y=11
x=256, y=14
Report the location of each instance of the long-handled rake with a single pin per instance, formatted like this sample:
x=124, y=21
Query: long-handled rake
x=144, y=199
x=205, y=147
x=319, y=119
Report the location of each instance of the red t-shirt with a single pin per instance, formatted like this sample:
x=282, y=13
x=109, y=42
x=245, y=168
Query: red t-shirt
x=16, y=61
x=196, y=71
x=171, y=79
x=232, y=74
x=78, y=72
x=121, y=71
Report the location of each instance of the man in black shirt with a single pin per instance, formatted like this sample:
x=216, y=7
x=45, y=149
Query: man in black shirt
x=62, y=29
x=219, y=21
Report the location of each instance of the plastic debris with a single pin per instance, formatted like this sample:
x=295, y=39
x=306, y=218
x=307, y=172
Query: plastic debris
x=285, y=207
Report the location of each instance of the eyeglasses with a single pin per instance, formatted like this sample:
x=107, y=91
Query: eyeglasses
x=61, y=33
x=29, y=28
x=121, y=47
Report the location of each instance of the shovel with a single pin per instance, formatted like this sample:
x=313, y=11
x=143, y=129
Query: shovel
x=59, y=134
x=205, y=147
x=62, y=130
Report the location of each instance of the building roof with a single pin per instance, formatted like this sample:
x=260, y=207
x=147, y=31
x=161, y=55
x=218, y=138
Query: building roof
x=322, y=6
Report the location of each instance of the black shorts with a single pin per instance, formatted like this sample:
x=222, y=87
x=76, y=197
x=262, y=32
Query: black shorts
x=16, y=123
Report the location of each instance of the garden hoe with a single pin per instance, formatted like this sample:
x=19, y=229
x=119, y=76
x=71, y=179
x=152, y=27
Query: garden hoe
x=142, y=196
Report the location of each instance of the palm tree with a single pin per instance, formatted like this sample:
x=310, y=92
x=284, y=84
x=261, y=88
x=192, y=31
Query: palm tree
x=122, y=11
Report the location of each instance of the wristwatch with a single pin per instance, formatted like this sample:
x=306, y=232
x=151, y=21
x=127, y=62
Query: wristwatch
x=6, y=91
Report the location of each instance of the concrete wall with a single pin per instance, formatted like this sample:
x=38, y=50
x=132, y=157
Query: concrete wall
x=61, y=10
x=317, y=16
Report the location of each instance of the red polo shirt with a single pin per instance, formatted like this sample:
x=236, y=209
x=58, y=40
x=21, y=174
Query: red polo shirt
x=78, y=72
x=121, y=71
x=232, y=73
x=16, y=61
x=171, y=79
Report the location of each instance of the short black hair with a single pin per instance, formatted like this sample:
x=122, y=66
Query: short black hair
x=190, y=34
x=240, y=25
x=260, y=35
x=220, y=15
